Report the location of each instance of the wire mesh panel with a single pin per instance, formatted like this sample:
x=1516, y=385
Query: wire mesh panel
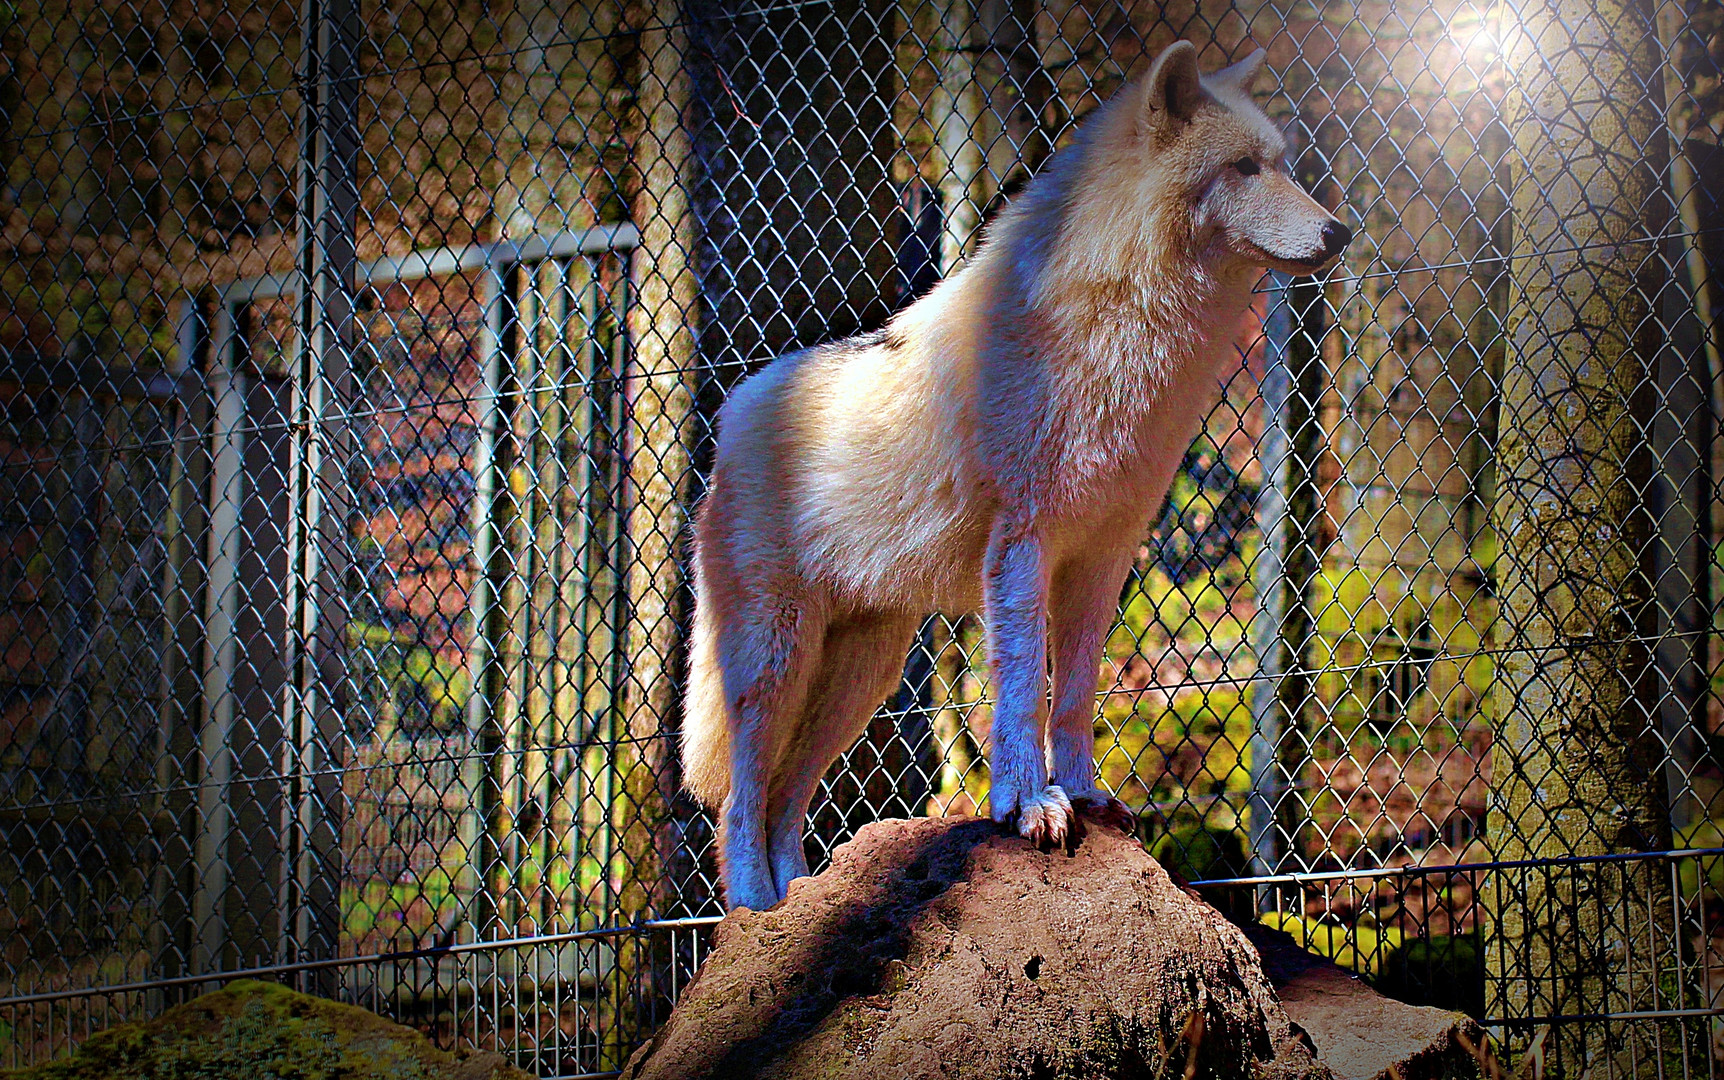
x=361, y=362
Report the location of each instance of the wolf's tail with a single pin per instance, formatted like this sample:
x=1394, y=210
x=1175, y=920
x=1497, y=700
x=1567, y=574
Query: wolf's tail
x=705, y=720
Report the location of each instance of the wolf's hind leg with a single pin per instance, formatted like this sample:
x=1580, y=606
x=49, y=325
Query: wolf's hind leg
x=766, y=678
x=1082, y=603
x=861, y=663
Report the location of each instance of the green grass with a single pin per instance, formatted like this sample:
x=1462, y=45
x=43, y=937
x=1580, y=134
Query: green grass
x=1359, y=948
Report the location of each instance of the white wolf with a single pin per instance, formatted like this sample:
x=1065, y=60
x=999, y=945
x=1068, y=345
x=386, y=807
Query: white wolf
x=1001, y=444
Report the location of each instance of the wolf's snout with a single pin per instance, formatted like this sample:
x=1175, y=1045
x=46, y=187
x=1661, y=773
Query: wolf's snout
x=1335, y=236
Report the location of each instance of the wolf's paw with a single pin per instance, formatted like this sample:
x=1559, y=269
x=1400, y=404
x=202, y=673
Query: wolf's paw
x=1045, y=819
x=1104, y=809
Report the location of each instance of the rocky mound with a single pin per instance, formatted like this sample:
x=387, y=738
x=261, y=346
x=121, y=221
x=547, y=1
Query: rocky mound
x=1359, y=1033
x=949, y=948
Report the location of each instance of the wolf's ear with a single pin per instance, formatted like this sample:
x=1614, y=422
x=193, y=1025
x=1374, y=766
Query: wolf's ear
x=1172, y=90
x=1239, y=77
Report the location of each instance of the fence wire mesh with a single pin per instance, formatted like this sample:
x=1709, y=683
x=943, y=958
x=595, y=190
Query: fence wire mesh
x=360, y=358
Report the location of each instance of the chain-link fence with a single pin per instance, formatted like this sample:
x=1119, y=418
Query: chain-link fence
x=359, y=367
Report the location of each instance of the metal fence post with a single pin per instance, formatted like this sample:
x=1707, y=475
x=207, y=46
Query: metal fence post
x=491, y=451
x=1683, y=431
x=313, y=724
x=1269, y=581
x=221, y=643
x=175, y=775
x=1679, y=502
x=1289, y=510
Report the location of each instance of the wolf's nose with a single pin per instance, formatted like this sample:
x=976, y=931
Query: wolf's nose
x=1335, y=237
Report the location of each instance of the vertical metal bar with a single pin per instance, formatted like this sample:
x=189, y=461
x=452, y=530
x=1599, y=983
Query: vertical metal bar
x=1294, y=328
x=220, y=618
x=552, y=726
x=621, y=559
x=560, y=614
x=520, y=568
x=590, y=483
x=1706, y=949
x=1270, y=583
x=476, y=833
x=191, y=336
x=1682, y=491
x=1679, y=503
x=1685, y=184
x=1674, y=951
x=330, y=35
x=1625, y=985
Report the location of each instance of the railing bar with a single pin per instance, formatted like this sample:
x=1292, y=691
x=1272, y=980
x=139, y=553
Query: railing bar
x=457, y=950
x=435, y=262
x=1623, y=1017
x=1457, y=868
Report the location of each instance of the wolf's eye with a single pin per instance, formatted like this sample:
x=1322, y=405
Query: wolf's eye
x=1248, y=166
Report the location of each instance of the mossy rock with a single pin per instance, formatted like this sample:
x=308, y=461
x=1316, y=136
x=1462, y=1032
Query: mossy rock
x=252, y=1030
x=1199, y=853
x=1444, y=970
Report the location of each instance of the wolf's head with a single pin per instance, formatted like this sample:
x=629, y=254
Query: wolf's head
x=1210, y=167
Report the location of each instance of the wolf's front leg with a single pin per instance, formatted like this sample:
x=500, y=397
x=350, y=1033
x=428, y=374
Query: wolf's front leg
x=1015, y=590
x=1084, y=602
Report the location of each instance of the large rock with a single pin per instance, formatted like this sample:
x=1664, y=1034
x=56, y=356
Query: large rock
x=1359, y=1033
x=948, y=948
x=252, y=1029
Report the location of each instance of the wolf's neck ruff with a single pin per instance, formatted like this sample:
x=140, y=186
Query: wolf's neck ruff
x=1132, y=332
x=1118, y=277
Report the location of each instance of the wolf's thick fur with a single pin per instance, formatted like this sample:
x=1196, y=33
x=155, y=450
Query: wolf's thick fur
x=1000, y=444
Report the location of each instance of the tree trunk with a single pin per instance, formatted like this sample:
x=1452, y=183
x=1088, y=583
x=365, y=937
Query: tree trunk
x=1015, y=91
x=1576, y=762
x=795, y=137
x=954, y=111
